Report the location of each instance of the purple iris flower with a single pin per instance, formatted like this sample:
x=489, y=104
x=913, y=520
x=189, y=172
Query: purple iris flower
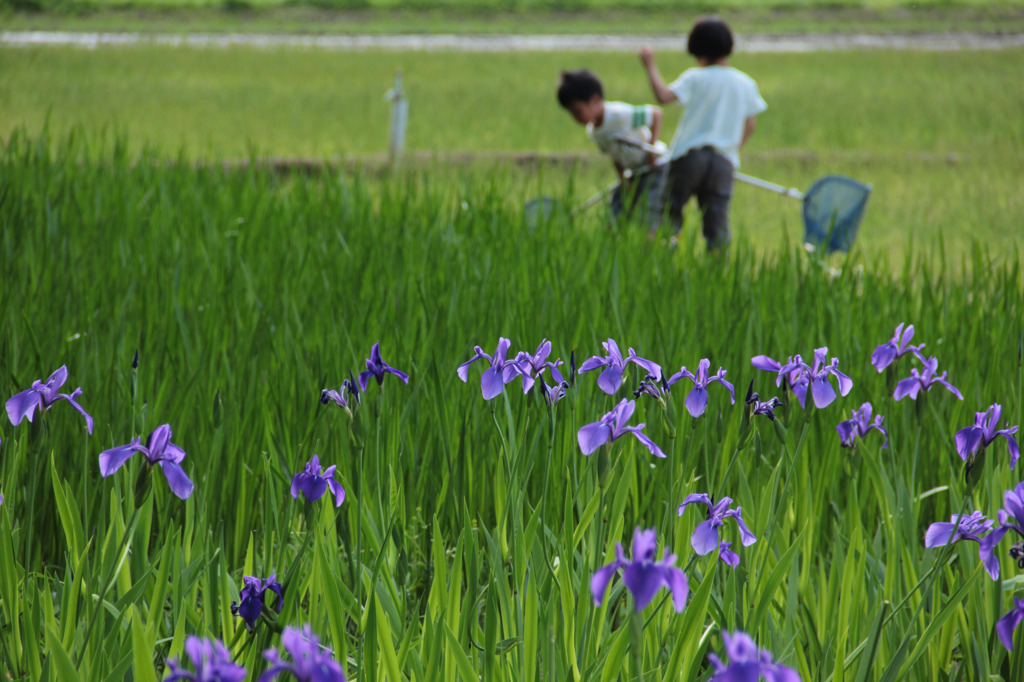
x=858, y=427
x=747, y=663
x=44, y=395
x=705, y=536
x=250, y=604
x=611, y=427
x=768, y=408
x=1008, y=623
x=727, y=556
x=313, y=483
x=643, y=576
x=310, y=662
x=792, y=372
x=376, y=367
x=1011, y=517
x=983, y=432
x=158, y=450
x=923, y=381
x=817, y=376
x=347, y=393
x=655, y=388
x=765, y=408
x=211, y=661
x=555, y=392
x=494, y=378
x=895, y=348
x=697, y=399
x=615, y=365
x=531, y=366
x=971, y=528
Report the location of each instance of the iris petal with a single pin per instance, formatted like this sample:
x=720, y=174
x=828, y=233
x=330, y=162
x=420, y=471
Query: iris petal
x=599, y=581
x=697, y=401
x=705, y=538
x=112, y=460
x=179, y=481
x=22, y=405
x=822, y=392
x=643, y=580
x=491, y=383
x=593, y=436
x=610, y=379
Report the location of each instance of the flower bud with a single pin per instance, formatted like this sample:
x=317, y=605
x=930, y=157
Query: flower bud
x=218, y=409
x=973, y=469
x=780, y=430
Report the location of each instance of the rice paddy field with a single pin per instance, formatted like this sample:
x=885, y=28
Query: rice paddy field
x=218, y=315
x=510, y=16
x=939, y=137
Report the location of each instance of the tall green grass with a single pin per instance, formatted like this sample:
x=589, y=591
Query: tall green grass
x=470, y=530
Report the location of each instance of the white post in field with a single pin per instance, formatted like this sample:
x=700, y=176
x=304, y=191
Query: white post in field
x=399, y=117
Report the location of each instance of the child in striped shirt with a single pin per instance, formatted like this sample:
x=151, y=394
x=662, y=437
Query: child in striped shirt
x=608, y=124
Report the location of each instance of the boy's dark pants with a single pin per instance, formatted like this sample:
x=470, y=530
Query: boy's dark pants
x=708, y=175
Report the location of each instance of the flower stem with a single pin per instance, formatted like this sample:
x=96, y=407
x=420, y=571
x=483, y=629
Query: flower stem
x=636, y=642
x=547, y=469
x=732, y=462
x=603, y=469
x=678, y=472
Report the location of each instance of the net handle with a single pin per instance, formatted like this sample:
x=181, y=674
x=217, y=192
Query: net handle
x=790, y=192
x=607, y=190
x=750, y=180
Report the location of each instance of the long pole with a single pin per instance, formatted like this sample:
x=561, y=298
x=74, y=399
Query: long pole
x=399, y=119
x=750, y=180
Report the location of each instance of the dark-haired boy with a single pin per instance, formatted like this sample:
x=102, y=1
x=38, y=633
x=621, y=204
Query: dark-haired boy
x=720, y=105
x=581, y=94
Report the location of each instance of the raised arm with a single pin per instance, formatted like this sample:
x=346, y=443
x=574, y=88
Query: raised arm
x=652, y=158
x=661, y=91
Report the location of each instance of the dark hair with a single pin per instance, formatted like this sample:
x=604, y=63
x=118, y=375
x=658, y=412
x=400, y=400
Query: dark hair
x=578, y=86
x=710, y=38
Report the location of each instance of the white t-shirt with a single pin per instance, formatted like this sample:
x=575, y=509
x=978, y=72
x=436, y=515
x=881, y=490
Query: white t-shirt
x=718, y=100
x=621, y=119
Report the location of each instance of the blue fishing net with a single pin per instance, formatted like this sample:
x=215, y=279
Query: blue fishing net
x=833, y=208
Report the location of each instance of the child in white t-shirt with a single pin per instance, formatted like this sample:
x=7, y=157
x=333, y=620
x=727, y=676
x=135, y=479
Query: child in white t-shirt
x=608, y=123
x=721, y=103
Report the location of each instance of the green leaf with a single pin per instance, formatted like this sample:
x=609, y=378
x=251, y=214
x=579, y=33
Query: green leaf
x=530, y=631
x=59, y=659
x=585, y=518
x=938, y=620
x=766, y=590
x=70, y=518
x=867, y=658
x=613, y=664
x=142, y=650
x=387, y=645
x=455, y=650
